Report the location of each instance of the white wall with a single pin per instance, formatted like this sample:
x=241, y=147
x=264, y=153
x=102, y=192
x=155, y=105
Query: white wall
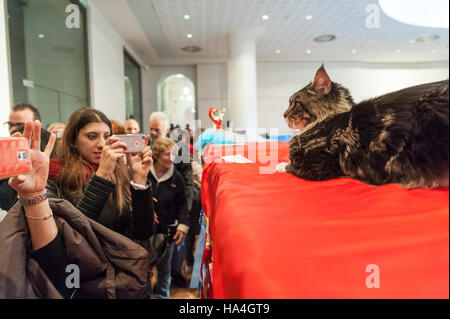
x=150, y=80
x=5, y=91
x=278, y=81
x=106, y=62
x=212, y=90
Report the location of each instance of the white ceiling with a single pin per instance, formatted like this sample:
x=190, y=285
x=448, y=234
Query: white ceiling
x=286, y=30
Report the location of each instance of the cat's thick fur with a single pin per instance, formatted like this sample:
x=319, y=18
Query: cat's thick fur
x=401, y=137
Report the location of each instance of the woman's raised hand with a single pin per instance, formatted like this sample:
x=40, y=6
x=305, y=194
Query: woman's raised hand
x=33, y=184
x=112, y=151
x=141, y=163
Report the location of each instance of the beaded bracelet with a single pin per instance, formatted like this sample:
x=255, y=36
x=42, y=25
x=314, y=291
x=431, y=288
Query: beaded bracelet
x=34, y=200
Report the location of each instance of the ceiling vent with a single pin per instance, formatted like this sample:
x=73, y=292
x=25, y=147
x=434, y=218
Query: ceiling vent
x=325, y=38
x=427, y=37
x=191, y=49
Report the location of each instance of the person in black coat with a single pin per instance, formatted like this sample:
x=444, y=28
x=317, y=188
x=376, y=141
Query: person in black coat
x=171, y=213
x=95, y=177
x=159, y=128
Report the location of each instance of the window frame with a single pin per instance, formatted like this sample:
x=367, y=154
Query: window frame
x=126, y=54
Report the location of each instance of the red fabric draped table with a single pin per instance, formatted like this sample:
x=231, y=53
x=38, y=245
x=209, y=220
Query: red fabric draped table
x=280, y=236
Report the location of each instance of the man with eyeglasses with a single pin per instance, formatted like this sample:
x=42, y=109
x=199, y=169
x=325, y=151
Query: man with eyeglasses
x=20, y=114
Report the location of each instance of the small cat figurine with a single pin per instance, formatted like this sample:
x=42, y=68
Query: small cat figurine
x=401, y=137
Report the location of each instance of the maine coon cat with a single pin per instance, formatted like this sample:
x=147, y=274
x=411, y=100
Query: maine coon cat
x=401, y=137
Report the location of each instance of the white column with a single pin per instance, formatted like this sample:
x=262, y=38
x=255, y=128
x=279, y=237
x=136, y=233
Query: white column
x=242, y=109
x=5, y=83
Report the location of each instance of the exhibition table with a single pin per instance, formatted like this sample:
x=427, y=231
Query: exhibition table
x=274, y=235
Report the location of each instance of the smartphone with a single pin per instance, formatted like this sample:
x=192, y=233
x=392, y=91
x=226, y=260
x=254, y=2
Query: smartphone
x=15, y=157
x=135, y=142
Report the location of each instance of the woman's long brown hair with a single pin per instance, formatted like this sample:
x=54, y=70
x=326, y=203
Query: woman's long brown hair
x=73, y=176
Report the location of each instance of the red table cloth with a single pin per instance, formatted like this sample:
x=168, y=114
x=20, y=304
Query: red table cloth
x=279, y=236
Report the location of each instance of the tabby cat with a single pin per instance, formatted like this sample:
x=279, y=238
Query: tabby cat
x=401, y=137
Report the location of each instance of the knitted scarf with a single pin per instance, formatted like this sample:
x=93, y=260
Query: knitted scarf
x=57, y=164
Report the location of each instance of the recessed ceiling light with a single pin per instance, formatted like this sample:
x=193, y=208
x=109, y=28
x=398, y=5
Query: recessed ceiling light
x=278, y=51
x=427, y=37
x=353, y=51
x=308, y=17
x=189, y=35
x=325, y=38
x=308, y=51
x=180, y=76
x=41, y=36
x=187, y=16
x=265, y=17
x=397, y=51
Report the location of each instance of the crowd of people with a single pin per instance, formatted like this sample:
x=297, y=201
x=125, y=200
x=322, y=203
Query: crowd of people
x=151, y=197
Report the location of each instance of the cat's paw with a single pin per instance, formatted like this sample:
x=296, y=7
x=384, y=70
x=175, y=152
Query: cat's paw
x=281, y=167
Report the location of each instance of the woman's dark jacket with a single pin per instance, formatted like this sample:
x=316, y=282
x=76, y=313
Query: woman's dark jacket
x=136, y=224
x=169, y=200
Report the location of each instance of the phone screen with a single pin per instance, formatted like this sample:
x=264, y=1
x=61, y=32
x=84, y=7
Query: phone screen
x=134, y=142
x=15, y=155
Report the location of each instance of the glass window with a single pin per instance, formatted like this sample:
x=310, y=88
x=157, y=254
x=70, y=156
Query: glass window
x=133, y=89
x=49, y=65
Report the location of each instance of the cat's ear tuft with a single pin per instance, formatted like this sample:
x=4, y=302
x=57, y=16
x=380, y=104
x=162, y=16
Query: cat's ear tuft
x=322, y=82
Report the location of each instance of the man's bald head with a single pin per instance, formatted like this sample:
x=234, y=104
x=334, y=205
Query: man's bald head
x=132, y=126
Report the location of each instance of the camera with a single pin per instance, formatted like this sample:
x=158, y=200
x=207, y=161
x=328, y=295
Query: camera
x=134, y=142
x=15, y=155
